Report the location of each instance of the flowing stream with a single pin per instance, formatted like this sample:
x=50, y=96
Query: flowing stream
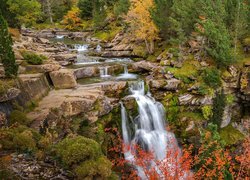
x=149, y=127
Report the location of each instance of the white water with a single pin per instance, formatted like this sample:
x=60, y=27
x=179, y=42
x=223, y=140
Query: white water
x=81, y=48
x=126, y=74
x=104, y=72
x=98, y=48
x=149, y=126
x=59, y=37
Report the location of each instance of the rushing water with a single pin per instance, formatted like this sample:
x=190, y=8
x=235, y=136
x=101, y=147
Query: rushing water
x=149, y=127
x=104, y=72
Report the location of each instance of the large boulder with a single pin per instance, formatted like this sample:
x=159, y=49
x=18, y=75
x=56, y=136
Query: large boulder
x=146, y=66
x=86, y=72
x=33, y=87
x=63, y=79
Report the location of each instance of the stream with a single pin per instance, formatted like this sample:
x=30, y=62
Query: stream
x=149, y=127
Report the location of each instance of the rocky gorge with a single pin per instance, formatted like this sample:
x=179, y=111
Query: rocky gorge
x=78, y=90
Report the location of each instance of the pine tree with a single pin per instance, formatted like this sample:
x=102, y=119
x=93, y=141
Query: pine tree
x=7, y=56
x=86, y=7
x=121, y=7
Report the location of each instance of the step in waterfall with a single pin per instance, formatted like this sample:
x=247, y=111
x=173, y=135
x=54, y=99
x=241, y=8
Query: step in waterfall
x=149, y=127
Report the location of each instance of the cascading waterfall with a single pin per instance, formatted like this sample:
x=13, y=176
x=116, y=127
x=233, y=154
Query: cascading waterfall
x=104, y=72
x=98, y=48
x=149, y=127
x=126, y=74
x=59, y=36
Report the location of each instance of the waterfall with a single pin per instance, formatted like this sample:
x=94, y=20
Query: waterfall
x=126, y=74
x=81, y=48
x=104, y=72
x=149, y=127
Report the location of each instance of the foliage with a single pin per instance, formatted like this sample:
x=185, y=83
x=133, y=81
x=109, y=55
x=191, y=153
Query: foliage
x=27, y=11
x=207, y=112
x=7, y=14
x=78, y=149
x=60, y=8
x=33, y=58
x=92, y=169
x=211, y=161
x=211, y=77
x=7, y=56
x=142, y=25
x=71, y=20
x=86, y=8
x=173, y=109
x=19, y=117
x=219, y=103
x=230, y=98
x=121, y=7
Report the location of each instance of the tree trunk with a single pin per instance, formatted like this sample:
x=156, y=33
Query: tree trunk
x=49, y=11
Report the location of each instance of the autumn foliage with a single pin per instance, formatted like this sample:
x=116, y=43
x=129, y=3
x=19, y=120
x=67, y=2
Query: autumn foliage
x=72, y=19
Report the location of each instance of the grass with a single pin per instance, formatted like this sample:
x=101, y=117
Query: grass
x=6, y=84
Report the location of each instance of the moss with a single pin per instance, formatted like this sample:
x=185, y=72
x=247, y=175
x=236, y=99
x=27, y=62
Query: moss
x=140, y=50
x=19, y=117
x=90, y=169
x=6, y=84
x=194, y=116
x=78, y=149
x=33, y=58
x=231, y=135
x=108, y=35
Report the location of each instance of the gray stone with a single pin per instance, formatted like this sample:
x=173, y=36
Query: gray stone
x=63, y=79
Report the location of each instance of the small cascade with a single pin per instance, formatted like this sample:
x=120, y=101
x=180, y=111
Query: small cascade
x=98, y=48
x=126, y=74
x=59, y=36
x=81, y=48
x=149, y=128
x=104, y=72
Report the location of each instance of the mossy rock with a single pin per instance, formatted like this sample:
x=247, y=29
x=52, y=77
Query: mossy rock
x=6, y=84
x=231, y=135
x=94, y=169
x=77, y=149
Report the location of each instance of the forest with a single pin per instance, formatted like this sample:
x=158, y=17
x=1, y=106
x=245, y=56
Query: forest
x=125, y=89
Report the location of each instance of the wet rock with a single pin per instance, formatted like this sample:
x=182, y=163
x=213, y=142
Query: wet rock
x=63, y=79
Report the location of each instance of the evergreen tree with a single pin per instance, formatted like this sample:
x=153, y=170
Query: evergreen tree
x=218, y=108
x=8, y=15
x=212, y=16
x=86, y=8
x=160, y=14
x=99, y=13
x=7, y=56
x=121, y=7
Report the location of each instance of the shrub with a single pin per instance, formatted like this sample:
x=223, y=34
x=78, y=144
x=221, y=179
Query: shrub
x=212, y=78
x=78, y=149
x=101, y=168
x=19, y=117
x=33, y=58
x=24, y=141
x=207, y=112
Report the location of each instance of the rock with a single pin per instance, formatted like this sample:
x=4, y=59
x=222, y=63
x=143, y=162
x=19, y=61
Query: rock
x=11, y=93
x=146, y=66
x=165, y=63
x=116, y=54
x=204, y=64
x=191, y=126
x=63, y=79
x=158, y=83
x=65, y=57
x=86, y=72
x=227, y=116
x=192, y=100
x=129, y=102
x=49, y=67
x=2, y=72
x=3, y=120
x=52, y=49
x=233, y=71
x=33, y=87
x=43, y=41
x=172, y=84
x=18, y=55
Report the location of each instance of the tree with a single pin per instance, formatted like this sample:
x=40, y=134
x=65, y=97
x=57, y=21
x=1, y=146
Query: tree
x=7, y=56
x=212, y=161
x=86, y=8
x=121, y=7
x=160, y=14
x=7, y=14
x=72, y=20
x=27, y=11
x=212, y=25
x=142, y=25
